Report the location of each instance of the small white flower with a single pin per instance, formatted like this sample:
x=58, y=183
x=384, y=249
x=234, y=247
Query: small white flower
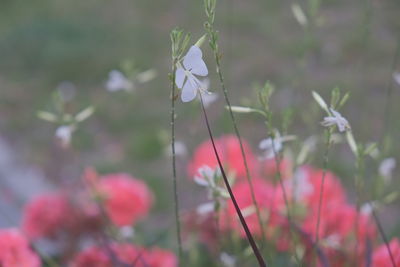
x=333, y=241
x=207, y=179
x=216, y=193
x=117, y=81
x=396, y=77
x=366, y=208
x=336, y=119
x=127, y=232
x=272, y=146
x=64, y=133
x=180, y=149
x=386, y=168
x=227, y=260
x=185, y=78
x=301, y=185
x=205, y=208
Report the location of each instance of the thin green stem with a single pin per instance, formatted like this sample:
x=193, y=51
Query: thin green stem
x=324, y=170
x=285, y=197
x=237, y=133
x=174, y=176
x=389, y=89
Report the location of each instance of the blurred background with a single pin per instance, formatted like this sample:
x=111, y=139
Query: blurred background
x=45, y=44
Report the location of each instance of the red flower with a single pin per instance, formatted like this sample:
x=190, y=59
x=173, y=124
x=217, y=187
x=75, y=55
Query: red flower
x=161, y=258
x=126, y=254
x=93, y=256
x=269, y=169
x=381, y=256
x=15, y=250
x=270, y=201
x=333, y=192
x=204, y=227
x=127, y=199
x=46, y=214
x=228, y=148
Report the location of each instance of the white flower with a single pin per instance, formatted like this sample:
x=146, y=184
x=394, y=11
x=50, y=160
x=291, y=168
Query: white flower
x=272, y=146
x=185, y=78
x=333, y=241
x=386, y=168
x=207, y=179
x=64, y=133
x=396, y=77
x=367, y=208
x=117, y=81
x=127, y=232
x=337, y=119
x=301, y=185
x=227, y=260
x=206, y=208
x=180, y=149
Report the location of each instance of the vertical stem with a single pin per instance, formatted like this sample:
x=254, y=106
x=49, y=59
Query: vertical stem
x=285, y=197
x=250, y=238
x=174, y=176
x=389, y=89
x=325, y=166
x=237, y=133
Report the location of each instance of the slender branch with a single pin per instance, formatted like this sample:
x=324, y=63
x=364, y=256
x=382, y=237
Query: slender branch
x=389, y=89
x=250, y=238
x=174, y=176
x=383, y=235
x=285, y=197
x=237, y=133
x=325, y=166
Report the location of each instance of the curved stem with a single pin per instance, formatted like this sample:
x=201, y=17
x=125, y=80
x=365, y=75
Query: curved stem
x=382, y=232
x=237, y=133
x=249, y=236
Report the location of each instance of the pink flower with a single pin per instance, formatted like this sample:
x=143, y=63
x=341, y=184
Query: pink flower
x=126, y=199
x=46, y=214
x=381, y=256
x=228, y=148
x=127, y=254
x=157, y=257
x=93, y=256
x=269, y=169
x=270, y=201
x=203, y=227
x=333, y=192
x=15, y=250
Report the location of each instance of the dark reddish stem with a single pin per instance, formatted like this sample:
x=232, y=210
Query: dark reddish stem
x=249, y=236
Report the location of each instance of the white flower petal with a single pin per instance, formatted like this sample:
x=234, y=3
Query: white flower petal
x=117, y=81
x=194, y=63
x=179, y=77
x=200, y=181
x=205, y=208
x=189, y=90
x=396, y=77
